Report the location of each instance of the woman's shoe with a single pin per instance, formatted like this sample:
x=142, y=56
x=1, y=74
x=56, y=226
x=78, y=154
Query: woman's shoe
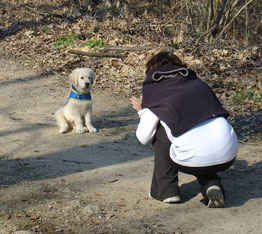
x=215, y=197
x=175, y=199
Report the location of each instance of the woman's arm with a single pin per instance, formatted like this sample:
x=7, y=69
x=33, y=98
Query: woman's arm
x=148, y=121
x=147, y=126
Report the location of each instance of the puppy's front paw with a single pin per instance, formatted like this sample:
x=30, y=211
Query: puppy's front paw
x=80, y=130
x=63, y=130
x=92, y=129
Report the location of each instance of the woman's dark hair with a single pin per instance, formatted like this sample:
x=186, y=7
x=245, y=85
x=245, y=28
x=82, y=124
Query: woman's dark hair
x=163, y=58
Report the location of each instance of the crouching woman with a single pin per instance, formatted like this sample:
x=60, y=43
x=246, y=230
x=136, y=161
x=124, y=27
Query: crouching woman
x=188, y=128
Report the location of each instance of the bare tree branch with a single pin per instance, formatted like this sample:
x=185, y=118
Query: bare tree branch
x=225, y=28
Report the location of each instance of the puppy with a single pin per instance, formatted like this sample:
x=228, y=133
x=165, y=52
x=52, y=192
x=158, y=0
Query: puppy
x=78, y=110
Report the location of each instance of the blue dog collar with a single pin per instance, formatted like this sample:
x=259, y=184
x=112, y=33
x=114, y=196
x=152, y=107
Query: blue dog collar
x=78, y=96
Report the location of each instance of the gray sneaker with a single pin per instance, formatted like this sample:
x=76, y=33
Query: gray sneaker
x=215, y=197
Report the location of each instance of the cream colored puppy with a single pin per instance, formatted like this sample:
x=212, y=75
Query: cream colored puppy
x=78, y=110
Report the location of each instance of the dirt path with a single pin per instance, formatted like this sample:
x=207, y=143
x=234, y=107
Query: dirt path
x=98, y=182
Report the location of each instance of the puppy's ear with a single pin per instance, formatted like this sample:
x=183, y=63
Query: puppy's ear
x=73, y=77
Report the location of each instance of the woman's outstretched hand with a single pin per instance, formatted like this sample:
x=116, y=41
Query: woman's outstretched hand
x=136, y=103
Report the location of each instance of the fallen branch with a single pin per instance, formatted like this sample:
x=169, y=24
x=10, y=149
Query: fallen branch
x=77, y=162
x=47, y=14
x=91, y=54
x=249, y=68
x=35, y=11
x=134, y=48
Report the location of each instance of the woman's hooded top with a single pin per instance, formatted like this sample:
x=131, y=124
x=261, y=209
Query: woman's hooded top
x=179, y=98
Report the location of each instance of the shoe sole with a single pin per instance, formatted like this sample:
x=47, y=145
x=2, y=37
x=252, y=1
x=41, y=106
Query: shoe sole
x=216, y=198
x=175, y=199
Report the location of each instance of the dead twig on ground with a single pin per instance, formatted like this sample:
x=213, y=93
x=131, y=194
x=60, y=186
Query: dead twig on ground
x=92, y=54
x=48, y=15
x=134, y=48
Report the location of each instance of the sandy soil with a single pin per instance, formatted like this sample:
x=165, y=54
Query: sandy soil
x=98, y=182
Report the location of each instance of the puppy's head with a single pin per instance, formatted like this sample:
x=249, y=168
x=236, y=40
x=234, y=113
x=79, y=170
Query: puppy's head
x=82, y=79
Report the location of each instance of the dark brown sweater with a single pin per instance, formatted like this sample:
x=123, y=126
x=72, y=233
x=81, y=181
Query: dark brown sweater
x=179, y=98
